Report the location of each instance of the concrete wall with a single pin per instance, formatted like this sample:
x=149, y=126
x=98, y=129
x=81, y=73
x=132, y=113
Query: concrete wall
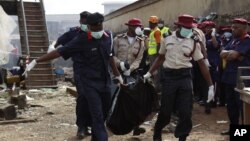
x=170, y=9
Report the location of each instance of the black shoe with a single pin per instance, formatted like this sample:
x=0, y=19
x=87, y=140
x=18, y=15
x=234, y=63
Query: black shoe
x=208, y=111
x=226, y=132
x=222, y=105
x=139, y=130
x=201, y=103
x=81, y=133
x=182, y=138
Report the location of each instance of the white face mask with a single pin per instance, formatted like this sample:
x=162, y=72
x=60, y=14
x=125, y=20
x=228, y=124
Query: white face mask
x=138, y=31
x=84, y=27
x=186, y=33
x=97, y=35
x=160, y=25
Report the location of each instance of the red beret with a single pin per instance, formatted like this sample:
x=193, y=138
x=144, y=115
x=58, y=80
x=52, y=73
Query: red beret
x=200, y=25
x=134, y=22
x=209, y=23
x=240, y=21
x=185, y=20
x=226, y=28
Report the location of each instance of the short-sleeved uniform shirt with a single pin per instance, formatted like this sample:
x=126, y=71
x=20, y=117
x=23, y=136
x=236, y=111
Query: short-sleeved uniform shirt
x=175, y=48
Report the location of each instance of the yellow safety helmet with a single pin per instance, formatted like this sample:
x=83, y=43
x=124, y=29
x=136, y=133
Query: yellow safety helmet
x=153, y=19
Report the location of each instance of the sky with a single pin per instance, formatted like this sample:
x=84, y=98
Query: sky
x=75, y=6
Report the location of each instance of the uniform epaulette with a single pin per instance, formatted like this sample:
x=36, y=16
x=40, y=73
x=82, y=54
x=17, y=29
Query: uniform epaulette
x=121, y=35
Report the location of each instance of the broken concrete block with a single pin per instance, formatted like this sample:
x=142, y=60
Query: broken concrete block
x=8, y=111
x=19, y=100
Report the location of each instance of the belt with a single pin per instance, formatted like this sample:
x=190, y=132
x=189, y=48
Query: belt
x=177, y=71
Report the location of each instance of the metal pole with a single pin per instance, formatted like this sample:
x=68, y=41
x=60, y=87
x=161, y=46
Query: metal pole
x=44, y=17
x=25, y=29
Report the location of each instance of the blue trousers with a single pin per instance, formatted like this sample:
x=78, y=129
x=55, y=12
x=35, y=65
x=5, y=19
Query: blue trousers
x=83, y=118
x=99, y=104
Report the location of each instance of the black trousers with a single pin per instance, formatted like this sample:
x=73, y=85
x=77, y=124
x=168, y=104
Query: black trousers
x=176, y=94
x=234, y=104
x=200, y=85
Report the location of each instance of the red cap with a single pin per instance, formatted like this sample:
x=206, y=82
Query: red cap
x=200, y=25
x=134, y=22
x=240, y=21
x=209, y=23
x=226, y=28
x=185, y=21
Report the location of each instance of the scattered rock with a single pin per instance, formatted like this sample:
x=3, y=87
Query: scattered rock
x=49, y=113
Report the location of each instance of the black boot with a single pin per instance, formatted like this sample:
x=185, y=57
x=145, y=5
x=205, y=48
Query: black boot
x=81, y=132
x=183, y=138
x=207, y=109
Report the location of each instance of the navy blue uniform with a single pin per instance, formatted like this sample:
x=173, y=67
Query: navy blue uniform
x=213, y=56
x=91, y=70
x=83, y=118
x=234, y=104
x=68, y=36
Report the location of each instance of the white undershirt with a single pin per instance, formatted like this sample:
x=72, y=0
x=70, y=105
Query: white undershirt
x=131, y=40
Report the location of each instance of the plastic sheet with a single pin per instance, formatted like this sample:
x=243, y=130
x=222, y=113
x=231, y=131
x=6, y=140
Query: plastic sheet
x=9, y=55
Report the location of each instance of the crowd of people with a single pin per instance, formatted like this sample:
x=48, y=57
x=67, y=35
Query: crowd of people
x=193, y=61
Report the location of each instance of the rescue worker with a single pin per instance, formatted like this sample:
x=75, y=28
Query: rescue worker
x=236, y=53
x=129, y=48
x=175, y=53
x=165, y=31
x=213, y=55
x=82, y=124
x=226, y=37
x=199, y=83
x=73, y=32
x=92, y=54
x=154, y=43
x=154, y=39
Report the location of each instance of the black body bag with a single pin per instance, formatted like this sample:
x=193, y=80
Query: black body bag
x=131, y=105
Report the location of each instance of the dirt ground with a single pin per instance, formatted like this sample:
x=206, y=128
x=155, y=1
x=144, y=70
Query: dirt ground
x=55, y=114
